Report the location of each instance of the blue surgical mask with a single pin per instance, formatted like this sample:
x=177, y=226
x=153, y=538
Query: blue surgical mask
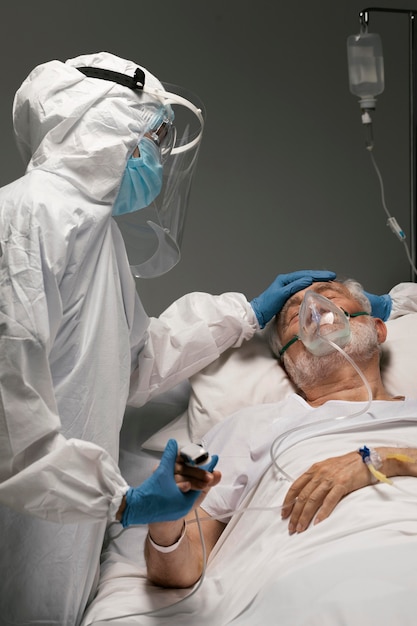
x=142, y=180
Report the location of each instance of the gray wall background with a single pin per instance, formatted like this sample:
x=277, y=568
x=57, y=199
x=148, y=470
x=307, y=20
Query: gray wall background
x=284, y=181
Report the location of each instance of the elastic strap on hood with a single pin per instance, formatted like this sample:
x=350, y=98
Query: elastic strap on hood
x=135, y=82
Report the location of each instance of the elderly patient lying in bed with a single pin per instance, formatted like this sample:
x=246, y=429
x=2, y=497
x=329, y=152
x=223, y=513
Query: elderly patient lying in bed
x=342, y=450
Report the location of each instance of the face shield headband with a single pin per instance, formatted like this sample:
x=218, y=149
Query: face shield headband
x=153, y=235
x=137, y=83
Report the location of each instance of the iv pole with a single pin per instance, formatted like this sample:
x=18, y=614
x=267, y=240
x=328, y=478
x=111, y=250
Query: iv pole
x=364, y=21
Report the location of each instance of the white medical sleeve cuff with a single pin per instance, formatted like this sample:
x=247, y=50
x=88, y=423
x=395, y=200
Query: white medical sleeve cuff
x=76, y=481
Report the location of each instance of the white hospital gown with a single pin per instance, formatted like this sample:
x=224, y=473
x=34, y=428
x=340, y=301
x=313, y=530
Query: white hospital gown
x=356, y=565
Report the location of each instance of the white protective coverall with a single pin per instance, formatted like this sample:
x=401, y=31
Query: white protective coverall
x=75, y=343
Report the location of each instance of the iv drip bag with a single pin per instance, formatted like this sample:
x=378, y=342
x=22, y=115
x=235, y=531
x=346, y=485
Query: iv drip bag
x=319, y=321
x=366, y=67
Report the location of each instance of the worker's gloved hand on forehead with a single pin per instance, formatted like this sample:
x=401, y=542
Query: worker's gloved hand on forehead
x=159, y=499
x=381, y=305
x=271, y=301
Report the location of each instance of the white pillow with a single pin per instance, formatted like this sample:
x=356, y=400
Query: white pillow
x=240, y=377
x=250, y=375
x=399, y=356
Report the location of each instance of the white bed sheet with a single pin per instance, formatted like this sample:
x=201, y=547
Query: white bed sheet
x=357, y=567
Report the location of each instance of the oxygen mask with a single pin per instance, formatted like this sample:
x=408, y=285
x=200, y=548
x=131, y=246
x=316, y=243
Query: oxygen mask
x=322, y=322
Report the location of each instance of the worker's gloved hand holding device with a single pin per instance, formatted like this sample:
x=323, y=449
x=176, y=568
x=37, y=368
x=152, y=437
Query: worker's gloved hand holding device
x=159, y=499
x=381, y=305
x=271, y=301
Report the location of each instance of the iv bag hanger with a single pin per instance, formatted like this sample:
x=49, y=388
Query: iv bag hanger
x=364, y=21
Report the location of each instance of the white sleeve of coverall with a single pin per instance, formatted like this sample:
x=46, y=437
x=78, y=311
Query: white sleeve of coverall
x=41, y=472
x=404, y=299
x=189, y=335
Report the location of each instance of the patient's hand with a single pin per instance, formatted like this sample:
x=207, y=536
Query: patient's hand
x=320, y=489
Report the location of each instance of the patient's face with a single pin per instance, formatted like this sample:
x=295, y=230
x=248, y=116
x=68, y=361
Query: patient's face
x=306, y=369
x=287, y=322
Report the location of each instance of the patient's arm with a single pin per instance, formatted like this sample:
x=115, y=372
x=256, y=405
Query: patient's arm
x=183, y=566
x=320, y=489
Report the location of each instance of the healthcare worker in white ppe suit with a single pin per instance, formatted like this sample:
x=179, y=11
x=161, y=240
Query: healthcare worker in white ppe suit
x=103, y=198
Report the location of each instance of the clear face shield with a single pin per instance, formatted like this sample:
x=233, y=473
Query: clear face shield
x=153, y=235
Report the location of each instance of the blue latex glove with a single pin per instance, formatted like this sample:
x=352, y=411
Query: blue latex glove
x=159, y=499
x=381, y=305
x=271, y=301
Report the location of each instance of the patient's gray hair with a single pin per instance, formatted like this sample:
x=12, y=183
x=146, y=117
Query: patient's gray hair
x=356, y=291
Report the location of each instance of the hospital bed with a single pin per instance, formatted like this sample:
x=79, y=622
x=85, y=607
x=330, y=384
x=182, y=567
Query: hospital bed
x=338, y=573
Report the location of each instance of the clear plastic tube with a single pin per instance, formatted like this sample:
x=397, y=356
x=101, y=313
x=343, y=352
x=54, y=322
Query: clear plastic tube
x=391, y=222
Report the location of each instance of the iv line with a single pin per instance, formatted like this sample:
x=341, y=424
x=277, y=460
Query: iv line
x=391, y=222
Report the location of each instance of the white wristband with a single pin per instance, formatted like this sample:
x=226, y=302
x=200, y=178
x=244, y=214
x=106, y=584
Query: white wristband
x=170, y=548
